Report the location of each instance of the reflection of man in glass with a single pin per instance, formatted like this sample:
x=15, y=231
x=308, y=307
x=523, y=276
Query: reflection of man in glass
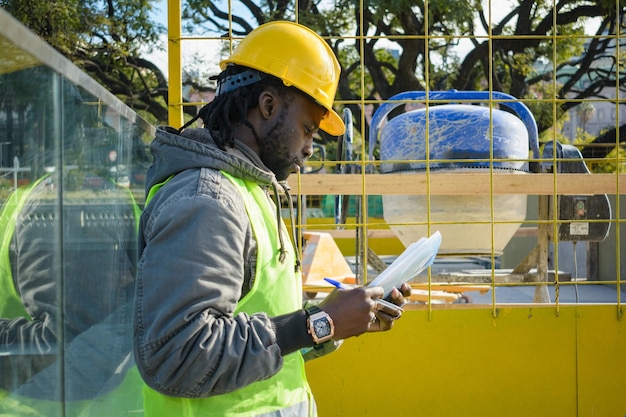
x=112, y=157
x=66, y=278
x=113, y=168
x=67, y=265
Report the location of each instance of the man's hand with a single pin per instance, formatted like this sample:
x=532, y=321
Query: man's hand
x=385, y=316
x=356, y=311
x=352, y=310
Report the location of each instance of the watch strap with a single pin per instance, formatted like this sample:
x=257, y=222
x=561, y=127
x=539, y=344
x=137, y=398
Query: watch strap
x=310, y=310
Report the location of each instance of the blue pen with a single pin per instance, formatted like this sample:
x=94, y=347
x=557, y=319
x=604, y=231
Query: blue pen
x=335, y=283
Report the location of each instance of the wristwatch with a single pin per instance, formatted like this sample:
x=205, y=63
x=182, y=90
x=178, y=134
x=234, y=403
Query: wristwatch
x=319, y=324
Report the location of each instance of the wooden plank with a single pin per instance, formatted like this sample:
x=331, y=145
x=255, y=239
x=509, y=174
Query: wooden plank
x=453, y=288
x=486, y=278
x=458, y=184
x=388, y=234
x=351, y=233
x=420, y=295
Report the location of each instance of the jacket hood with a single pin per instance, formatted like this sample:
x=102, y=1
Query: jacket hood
x=194, y=148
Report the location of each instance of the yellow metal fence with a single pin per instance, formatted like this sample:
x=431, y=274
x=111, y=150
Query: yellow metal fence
x=549, y=355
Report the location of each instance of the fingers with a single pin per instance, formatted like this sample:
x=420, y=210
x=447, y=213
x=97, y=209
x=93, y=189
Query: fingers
x=382, y=322
x=384, y=315
x=405, y=289
x=372, y=318
x=388, y=308
x=398, y=295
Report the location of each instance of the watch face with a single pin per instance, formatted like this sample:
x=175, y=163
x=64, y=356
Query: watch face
x=322, y=327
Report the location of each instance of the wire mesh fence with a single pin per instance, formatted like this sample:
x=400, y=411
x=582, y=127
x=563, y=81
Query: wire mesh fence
x=497, y=124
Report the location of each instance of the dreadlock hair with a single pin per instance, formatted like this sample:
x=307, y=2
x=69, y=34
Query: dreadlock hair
x=231, y=108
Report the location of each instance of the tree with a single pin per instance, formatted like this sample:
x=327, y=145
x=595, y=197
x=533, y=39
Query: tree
x=426, y=36
x=107, y=39
x=409, y=45
x=585, y=111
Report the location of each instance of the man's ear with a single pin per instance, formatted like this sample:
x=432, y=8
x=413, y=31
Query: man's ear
x=267, y=104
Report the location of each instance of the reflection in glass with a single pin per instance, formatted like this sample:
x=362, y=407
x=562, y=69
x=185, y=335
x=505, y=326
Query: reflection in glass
x=71, y=165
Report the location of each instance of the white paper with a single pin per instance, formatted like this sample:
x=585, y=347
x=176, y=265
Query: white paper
x=417, y=257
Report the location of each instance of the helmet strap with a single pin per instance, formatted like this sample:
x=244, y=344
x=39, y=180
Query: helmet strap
x=232, y=82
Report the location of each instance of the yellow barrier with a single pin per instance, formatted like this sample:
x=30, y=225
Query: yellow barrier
x=525, y=362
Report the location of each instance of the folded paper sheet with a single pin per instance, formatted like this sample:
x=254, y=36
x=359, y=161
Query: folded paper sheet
x=417, y=257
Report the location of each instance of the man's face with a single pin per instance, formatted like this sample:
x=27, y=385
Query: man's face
x=288, y=142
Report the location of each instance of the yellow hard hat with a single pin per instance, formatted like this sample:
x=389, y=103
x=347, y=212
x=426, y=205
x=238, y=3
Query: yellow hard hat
x=299, y=57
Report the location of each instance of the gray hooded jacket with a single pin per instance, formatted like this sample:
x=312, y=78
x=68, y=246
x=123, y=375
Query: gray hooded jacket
x=197, y=258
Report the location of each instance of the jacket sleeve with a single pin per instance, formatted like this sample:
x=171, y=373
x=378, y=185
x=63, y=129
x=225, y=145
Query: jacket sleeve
x=188, y=342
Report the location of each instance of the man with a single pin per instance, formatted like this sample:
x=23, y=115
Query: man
x=219, y=323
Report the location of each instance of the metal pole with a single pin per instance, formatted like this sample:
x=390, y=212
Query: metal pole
x=16, y=168
x=174, y=64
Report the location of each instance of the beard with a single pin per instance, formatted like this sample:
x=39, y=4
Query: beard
x=274, y=150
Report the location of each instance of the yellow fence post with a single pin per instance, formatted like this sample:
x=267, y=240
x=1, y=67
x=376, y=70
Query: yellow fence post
x=174, y=64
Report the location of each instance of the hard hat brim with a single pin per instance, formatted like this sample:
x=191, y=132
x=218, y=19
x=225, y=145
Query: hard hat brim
x=332, y=124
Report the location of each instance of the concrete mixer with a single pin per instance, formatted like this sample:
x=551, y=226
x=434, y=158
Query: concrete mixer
x=459, y=138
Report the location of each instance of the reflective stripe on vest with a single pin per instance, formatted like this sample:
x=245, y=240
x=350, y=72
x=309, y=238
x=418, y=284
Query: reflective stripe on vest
x=11, y=305
x=277, y=290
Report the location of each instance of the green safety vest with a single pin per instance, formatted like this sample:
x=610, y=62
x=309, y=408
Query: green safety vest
x=124, y=400
x=276, y=290
x=11, y=305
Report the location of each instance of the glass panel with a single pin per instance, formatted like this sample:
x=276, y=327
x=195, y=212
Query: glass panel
x=72, y=161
